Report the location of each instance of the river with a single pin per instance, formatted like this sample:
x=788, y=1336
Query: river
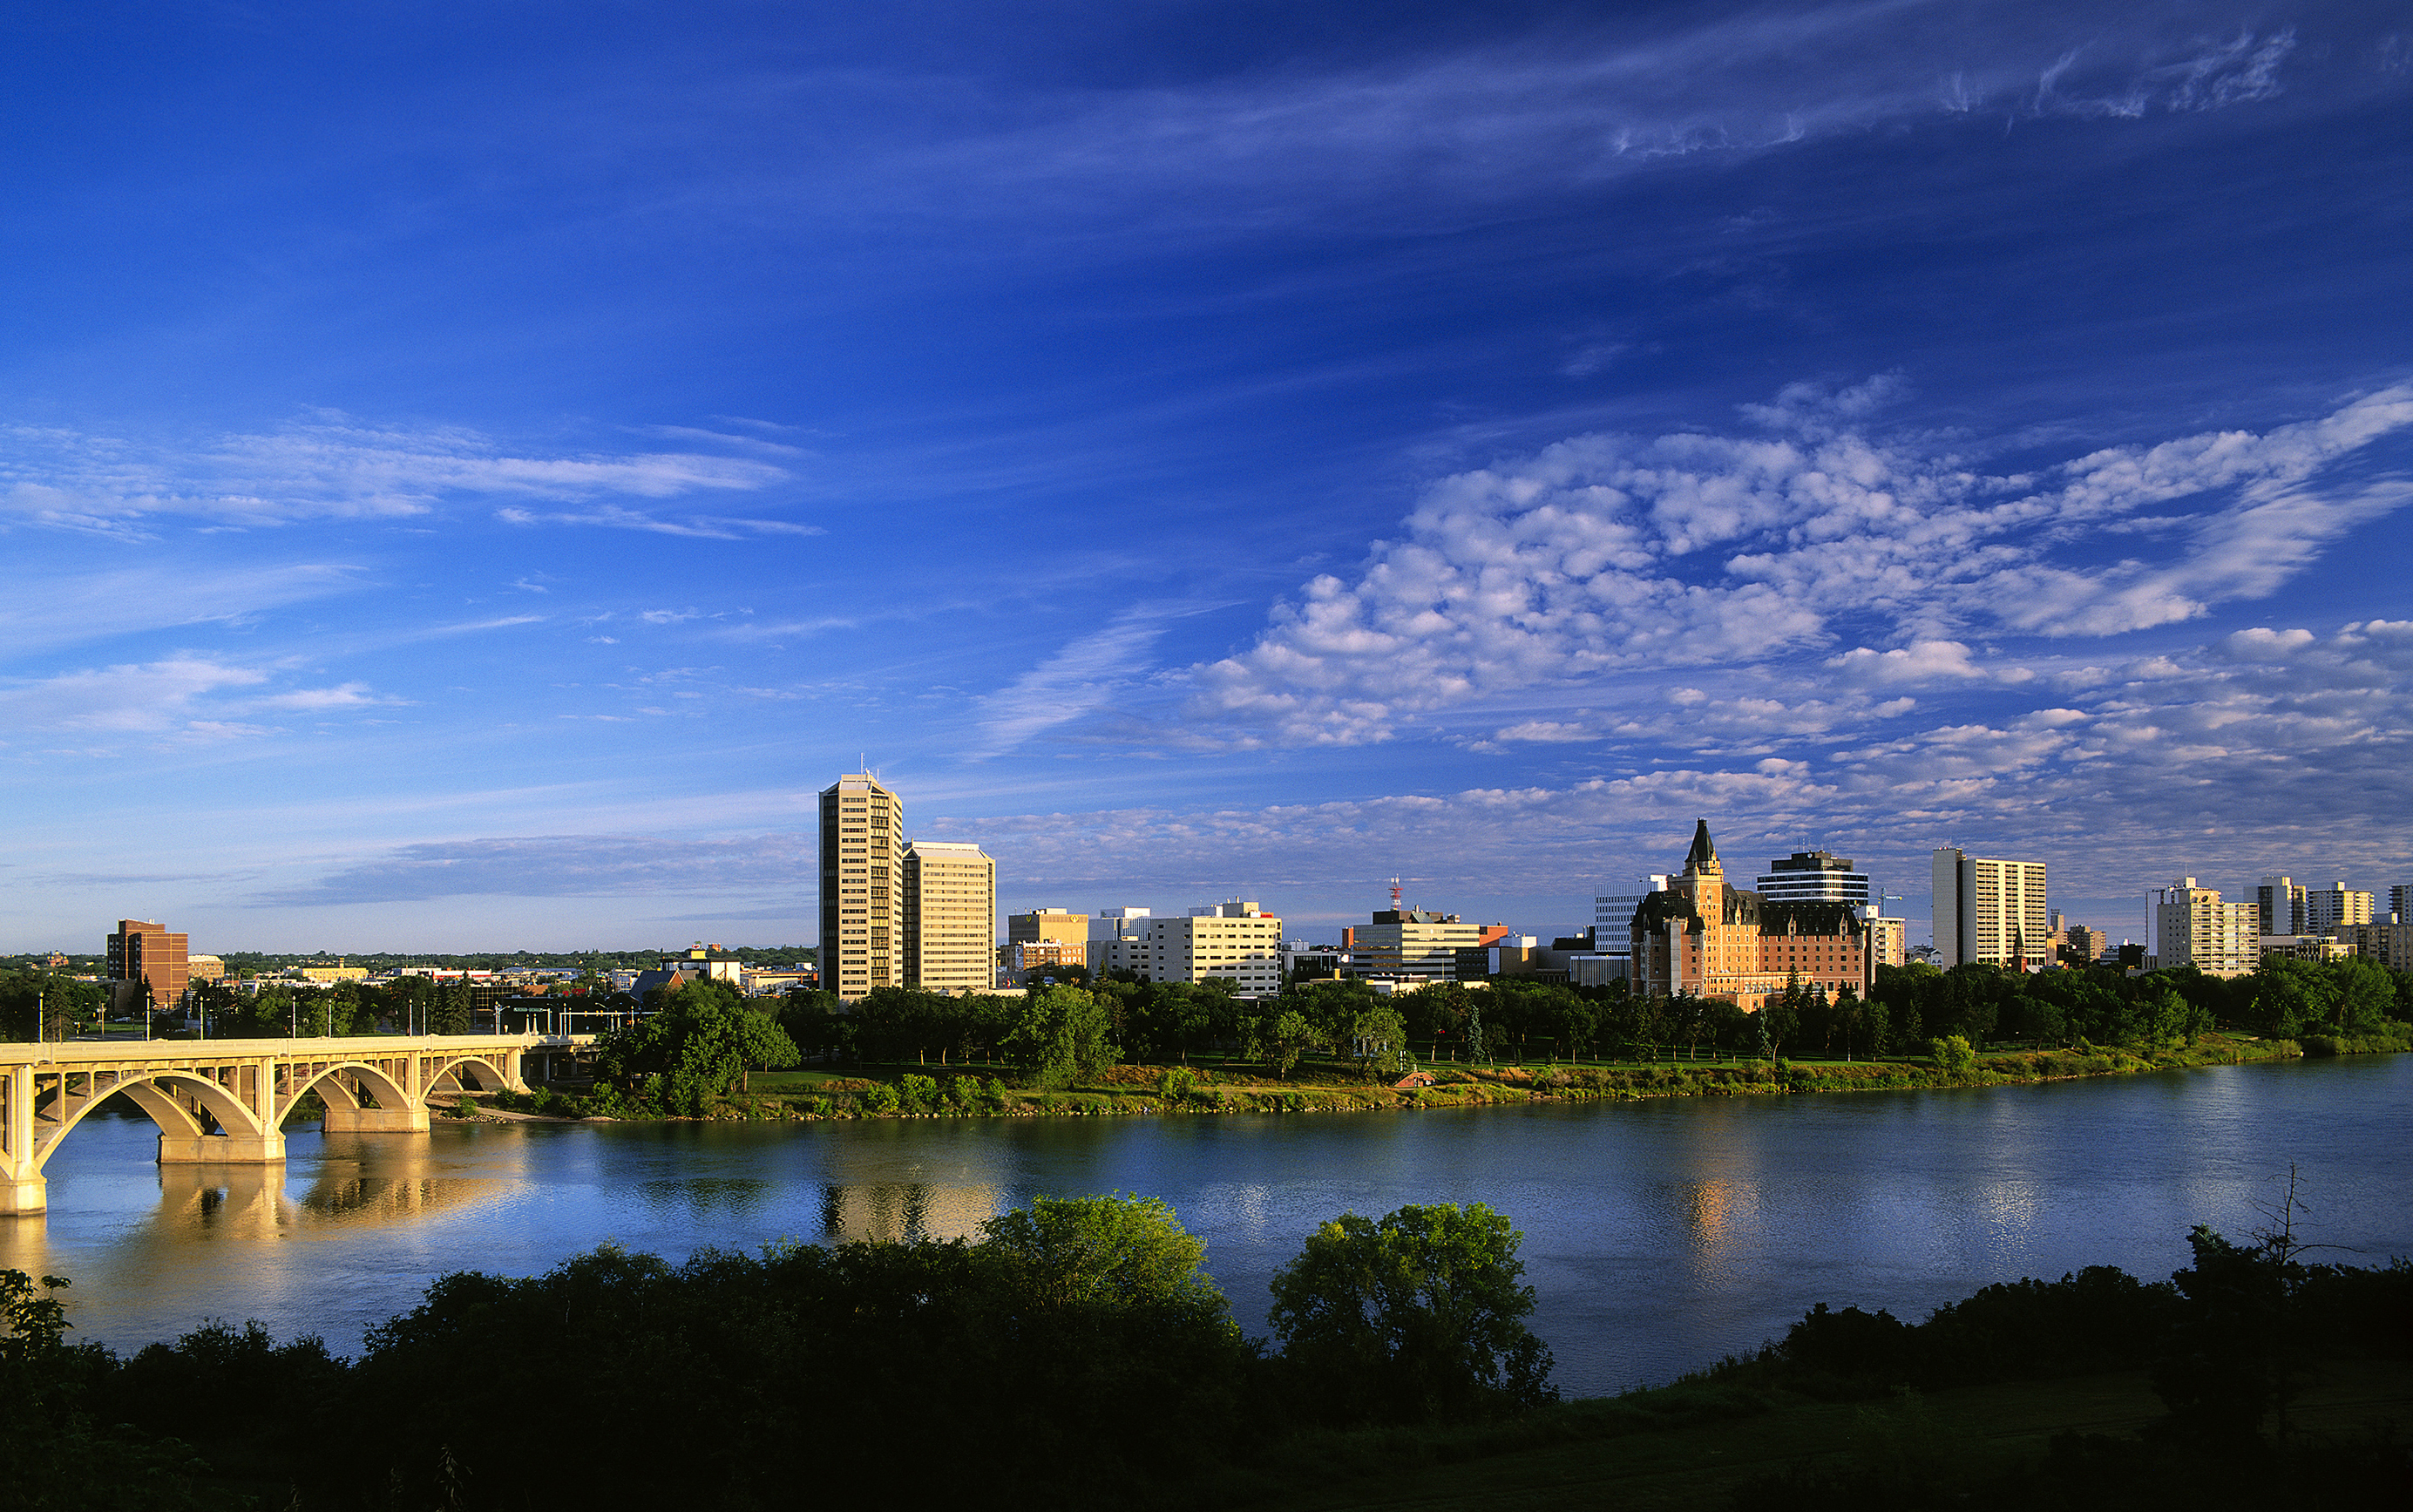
x=1659, y=1235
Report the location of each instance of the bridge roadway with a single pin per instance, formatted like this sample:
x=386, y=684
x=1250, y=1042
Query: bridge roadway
x=227, y=1100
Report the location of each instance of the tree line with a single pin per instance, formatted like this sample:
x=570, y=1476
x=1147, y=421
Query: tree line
x=1074, y=1352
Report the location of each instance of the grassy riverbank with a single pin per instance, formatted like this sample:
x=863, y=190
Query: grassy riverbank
x=1209, y=1087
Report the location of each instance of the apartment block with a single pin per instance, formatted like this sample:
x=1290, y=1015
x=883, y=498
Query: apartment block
x=950, y=916
x=1888, y=939
x=2400, y=903
x=2389, y=944
x=1989, y=911
x=1235, y=941
x=2328, y=909
x=2192, y=926
x=1411, y=944
x=141, y=952
x=862, y=891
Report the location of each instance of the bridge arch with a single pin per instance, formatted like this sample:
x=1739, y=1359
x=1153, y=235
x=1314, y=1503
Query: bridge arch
x=388, y=1093
x=488, y=1076
x=153, y=1094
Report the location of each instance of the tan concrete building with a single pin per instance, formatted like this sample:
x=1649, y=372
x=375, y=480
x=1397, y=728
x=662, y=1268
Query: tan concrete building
x=1235, y=941
x=950, y=916
x=1888, y=940
x=862, y=887
x=1989, y=911
x=1021, y=963
x=142, y=951
x=1047, y=926
x=2192, y=926
x=1411, y=944
x=202, y=968
x=2389, y=944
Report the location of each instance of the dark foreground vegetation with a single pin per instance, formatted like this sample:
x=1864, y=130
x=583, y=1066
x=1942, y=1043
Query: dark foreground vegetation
x=1075, y=1355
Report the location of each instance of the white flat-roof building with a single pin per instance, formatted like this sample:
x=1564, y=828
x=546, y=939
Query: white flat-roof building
x=2192, y=926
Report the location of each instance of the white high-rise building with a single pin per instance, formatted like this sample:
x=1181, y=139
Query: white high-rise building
x=950, y=916
x=2192, y=926
x=862, y=891
x=1813, y=877
x=1990, y=912
x=2329, y=909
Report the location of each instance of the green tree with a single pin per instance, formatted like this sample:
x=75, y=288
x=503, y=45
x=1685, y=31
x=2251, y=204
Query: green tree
x=452, y=1009
x=1101, y=1251
x=1277, y=1037
x=1413, y=1317
x=697, y=1046
x=1062, y=1033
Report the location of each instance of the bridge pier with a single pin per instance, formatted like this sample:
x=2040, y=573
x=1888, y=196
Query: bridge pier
x=375, y=1119
x=24, y=1194
x=229, y=1149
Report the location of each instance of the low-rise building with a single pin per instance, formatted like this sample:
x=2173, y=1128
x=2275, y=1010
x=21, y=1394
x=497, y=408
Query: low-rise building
x=1235, y=941
x=1411, y=944
x=2389, y=944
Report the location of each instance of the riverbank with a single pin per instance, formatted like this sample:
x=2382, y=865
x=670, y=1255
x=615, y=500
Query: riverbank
x=1135, y=1091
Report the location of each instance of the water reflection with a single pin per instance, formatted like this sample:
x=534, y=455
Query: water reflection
x=1659, y=1235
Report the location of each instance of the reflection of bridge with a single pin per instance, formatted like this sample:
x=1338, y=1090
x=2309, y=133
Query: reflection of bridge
x=227, y=1100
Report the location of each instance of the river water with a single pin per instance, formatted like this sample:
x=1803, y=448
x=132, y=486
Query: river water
x=1659, y=1235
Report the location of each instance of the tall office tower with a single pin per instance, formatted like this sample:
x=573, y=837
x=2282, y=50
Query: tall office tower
x=1612, y=920
x=2280, y=904
x=2329, y=908
x=1118, y=940
x=1813, y=877
x=142, y=951
x=1989, y=912
x=2400, y=903
x=863, y=886
x=950, y=924
x=2192, y=926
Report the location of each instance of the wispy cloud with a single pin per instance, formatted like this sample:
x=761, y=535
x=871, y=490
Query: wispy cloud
x=1087, y=675
x=562, y=865
x=332, y=466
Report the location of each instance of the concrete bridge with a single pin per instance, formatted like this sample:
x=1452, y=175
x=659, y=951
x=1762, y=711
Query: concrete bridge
x=227, y=1100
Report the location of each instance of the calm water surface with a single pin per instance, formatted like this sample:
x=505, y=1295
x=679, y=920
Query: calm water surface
x=1659, y=1235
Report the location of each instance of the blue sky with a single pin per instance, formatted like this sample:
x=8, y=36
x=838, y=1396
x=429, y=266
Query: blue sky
x=470, y=474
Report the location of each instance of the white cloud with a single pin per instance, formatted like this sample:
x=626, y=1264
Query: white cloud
x=1605, y=555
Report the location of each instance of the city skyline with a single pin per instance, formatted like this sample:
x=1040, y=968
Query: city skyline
x=470, y=483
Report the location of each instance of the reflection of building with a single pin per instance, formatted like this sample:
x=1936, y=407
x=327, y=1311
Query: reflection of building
x=1701, y=937
x=863, y=892
x=950, y=916
x=2192, y=926
x=893, y=1212
x=1989, y=912
x=142, y=951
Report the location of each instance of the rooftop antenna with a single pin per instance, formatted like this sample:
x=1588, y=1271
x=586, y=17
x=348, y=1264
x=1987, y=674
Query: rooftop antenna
x=1395, y=894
